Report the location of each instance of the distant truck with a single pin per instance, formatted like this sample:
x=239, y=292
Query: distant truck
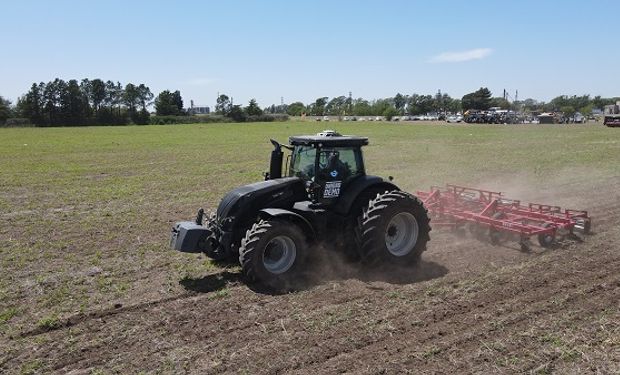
x=612, y=115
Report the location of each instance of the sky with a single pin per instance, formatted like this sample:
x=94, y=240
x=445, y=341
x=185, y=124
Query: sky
x=275, y=50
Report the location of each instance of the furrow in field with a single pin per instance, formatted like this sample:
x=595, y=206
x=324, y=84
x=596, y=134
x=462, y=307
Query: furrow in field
x=479, y=305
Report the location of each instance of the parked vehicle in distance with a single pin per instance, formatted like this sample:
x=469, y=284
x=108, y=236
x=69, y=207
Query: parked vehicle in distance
x=612, y=115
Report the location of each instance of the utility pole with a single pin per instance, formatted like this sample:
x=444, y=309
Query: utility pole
x=350, y=106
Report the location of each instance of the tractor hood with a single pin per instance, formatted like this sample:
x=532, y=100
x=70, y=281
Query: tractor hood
x=277, y=193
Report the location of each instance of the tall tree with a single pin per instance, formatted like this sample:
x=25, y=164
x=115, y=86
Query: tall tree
x=5, y=110
x=52, y=97
x=361, y=107
x=336, y=106
x=223, y=104
x=500, y=102
x=296, y=109
x=98, y=93
x=381, y=106
x=177, y=100
x=318, y=108
x=237, y=113
x=169, y=103
x=145, y=96
x=348, y=104
x=400, y=101
x=112, y=112
x=131, y=97
x=253, y=109
x=32, y=104
x=95, y=91
x=480, y=99
x=568, y=110
x=114, y=94
x=74, y=105
x=421, y=104
x=531, y=105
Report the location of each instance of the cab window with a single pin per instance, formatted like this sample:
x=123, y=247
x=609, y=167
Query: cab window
x=302, y=163
x=349, y=162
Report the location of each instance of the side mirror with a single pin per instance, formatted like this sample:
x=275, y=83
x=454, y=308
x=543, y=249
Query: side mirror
x=276, y=145
x=275, y=164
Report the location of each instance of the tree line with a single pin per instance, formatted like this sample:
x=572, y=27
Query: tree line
x=98, y=102
x=416, y=104
x=89, y=102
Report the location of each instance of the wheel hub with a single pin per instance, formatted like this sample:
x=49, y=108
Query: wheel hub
x=401, y=234
x=279, y=255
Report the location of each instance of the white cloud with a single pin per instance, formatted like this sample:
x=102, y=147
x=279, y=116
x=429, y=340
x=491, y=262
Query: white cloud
x=472, y=54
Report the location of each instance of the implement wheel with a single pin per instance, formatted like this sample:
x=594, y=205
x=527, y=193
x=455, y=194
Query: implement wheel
x=272, y=253
x=476, y=231
x=395, y=229
x=496, y=236
x=546, y=239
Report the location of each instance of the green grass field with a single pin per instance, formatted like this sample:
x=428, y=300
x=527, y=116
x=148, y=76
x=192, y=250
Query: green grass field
x=85, y=213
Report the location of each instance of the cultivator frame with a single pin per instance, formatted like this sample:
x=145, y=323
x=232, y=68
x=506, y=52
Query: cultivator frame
x=489, y=214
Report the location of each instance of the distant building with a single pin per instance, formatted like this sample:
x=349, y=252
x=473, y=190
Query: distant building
x=199, y=110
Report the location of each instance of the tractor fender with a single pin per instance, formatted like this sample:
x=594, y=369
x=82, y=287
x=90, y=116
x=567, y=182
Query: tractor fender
x=305, y=225
x=356, y=187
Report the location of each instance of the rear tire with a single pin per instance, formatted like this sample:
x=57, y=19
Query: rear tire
x=272, y=253
x=395, y=229
x=354, y=250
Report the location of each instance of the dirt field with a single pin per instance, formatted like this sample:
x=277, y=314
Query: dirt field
x=107, y=296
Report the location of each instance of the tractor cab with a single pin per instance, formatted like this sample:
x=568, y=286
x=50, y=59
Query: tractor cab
x=327, y=162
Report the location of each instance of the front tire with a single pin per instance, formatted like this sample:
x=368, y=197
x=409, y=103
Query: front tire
x=273, y=253
x=395, y=229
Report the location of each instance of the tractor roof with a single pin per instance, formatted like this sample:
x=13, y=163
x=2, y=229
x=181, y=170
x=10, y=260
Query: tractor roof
x=328, y=138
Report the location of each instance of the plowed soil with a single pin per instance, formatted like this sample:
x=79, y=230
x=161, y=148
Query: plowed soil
x=469, y=307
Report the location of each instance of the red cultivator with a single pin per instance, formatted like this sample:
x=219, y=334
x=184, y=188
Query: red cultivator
x=488, y=214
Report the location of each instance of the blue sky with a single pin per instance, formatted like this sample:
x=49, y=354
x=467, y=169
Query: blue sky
x=301, y=50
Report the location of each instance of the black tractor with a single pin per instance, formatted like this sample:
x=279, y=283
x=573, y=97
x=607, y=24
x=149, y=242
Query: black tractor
x=323, y=197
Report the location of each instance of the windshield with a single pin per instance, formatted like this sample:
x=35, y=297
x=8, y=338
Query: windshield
x=302, y=163
x=348, y=165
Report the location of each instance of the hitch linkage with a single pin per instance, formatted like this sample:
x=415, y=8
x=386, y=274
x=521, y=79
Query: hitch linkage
x=199, y=217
